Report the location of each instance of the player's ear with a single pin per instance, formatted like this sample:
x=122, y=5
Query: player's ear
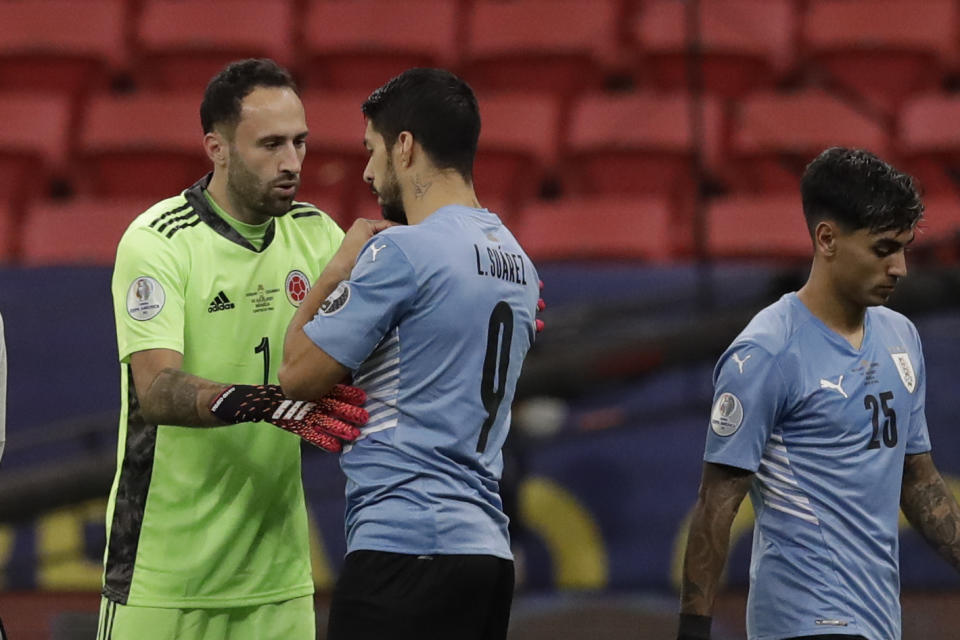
x=215, y=146
x=825, y=238
x=404, y=146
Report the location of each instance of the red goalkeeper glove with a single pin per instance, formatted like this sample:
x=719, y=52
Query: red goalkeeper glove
x=326, y=423
x=541, y=305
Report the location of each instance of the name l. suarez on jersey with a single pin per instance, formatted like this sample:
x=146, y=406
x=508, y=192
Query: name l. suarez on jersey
x=497, y=263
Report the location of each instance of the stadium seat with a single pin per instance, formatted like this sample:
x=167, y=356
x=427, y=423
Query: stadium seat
x=559, y=46
x=605, y=228
x=775, y=135
x=181, y=45
x=745, y=44
x=63, y=46
x=941, y=220
x=332, y=174
x=882, y=50
x=928, y=141
x=148, y=145
x=361, y=44
x=9, y=236
x=637, y=143
x=34, y=142
x=765, y=226
x=80, y=231
x=518, y=145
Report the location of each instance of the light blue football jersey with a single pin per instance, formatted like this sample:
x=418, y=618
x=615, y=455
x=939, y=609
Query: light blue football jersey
x=434, y=322
x=825, y=427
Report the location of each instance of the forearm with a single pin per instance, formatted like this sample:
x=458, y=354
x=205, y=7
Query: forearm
x=332, y=275
x=704, y=559
x=178, y=398
x=931, y=508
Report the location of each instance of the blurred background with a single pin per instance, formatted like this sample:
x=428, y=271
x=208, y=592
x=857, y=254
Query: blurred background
x=645, y=152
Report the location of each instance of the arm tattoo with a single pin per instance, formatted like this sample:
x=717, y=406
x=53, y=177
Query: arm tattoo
x=420, y=187
x=930, y=507
x=721, y=492
x=177, y=397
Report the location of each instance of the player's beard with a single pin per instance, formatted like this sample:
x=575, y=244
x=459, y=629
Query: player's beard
x=247, y=188
x=391, y=206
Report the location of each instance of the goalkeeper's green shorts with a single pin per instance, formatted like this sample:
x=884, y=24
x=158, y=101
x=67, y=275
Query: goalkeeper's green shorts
x=293, y=620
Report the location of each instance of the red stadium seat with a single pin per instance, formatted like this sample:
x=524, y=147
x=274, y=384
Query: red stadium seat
x=745, y=44
x=183, y=44
x=361, y=44
x=941, y=220
x=9, y=235
x=636, y=228
x=81, y=231
x=63, y=46
x=637, y=143
x=559, y=46
x=518, y=145
x=928, y=140
x=770, y=226
x=332, y=174
x=34, y=142
x=775, y=135
x=148, y=145
x=883, y=50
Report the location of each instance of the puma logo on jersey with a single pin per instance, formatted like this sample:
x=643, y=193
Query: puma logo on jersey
x=374, y=249
x=740, y=362
x=220, y=303
x=835, y=386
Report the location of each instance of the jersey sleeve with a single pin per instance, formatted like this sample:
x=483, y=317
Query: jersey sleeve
x=749, y=394
x=354, y=318
x=148, y=292
x=918, y=438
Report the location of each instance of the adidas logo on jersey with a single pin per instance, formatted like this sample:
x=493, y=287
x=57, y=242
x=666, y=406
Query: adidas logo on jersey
x=220, y=303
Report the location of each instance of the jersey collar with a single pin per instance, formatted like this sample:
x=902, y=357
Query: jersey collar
x=198, y=201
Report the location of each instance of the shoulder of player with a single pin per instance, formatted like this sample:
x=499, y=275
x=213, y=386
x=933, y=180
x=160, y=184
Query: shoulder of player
x=893, y=321
x=772, y=329
x=164, y=220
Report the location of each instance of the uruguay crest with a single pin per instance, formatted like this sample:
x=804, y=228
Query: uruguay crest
x=905, y=369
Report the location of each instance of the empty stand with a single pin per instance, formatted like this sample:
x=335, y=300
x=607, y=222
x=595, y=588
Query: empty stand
x=744, y=44
x=637, y=143
x=560, y=46
x=774, y=136
x=882, y=50
x=363, y=43
x=81, y=231
x=928, y=140
x=63, y=46
x=181, y=45
x=332, y=173
x=941, y=220
x=518, y=145
x=34, y=142
x=9, y=235
x=147, y=145
x=605, y=227
x=769, y=226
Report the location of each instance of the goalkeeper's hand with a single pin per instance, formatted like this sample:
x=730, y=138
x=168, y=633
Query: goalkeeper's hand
x=541, y=305
x=326, y=423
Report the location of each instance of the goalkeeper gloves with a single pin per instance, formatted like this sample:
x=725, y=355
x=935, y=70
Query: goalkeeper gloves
x=541, y=305
x=326, y=423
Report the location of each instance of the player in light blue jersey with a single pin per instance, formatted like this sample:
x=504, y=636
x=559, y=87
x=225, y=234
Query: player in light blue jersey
x=433, y=317
x=819, y=413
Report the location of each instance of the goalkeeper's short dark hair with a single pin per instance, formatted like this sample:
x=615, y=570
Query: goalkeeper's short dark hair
x=438, y=108
x=226, y=90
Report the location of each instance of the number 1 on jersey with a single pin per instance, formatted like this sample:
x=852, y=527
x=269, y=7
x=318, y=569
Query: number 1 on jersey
x=264, y=348
x=493, y=385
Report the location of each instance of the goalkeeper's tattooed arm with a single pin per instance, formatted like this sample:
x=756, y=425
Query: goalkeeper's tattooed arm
x=169, y=395
x=931, y=507
x=722, y=489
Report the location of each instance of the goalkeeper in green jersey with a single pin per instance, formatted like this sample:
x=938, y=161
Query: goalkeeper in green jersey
x=207, y=532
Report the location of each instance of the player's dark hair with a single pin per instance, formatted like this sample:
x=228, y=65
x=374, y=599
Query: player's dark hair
x=226, y=90
x=858, y=190
x=437, y=107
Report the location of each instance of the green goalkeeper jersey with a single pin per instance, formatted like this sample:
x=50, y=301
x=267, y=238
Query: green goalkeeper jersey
x=210, y=517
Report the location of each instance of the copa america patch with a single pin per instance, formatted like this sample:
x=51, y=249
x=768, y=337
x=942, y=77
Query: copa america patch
x=336, y=300
x=727, y=415
x=145, y=298
x=905, y=369
x=297, y=287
